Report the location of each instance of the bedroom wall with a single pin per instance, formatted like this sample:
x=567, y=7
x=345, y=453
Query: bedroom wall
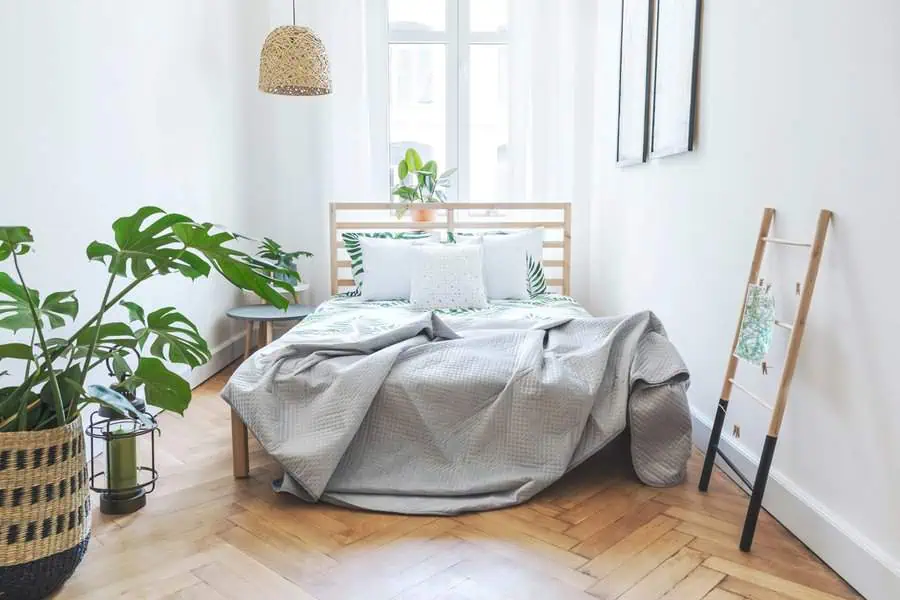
x=108, y=106
x=797, y=110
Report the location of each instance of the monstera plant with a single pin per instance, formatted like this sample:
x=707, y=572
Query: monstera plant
x=51, y=388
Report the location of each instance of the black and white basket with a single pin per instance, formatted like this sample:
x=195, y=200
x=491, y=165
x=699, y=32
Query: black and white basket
x=45, y=519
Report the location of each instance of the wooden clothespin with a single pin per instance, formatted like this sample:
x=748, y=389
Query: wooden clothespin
x=799, y=288
x=761, y=282
x=765, y=368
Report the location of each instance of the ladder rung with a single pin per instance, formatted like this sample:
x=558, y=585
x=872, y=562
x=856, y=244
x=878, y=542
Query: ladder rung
x=749, y=393
x=782, y=324
x=771, y=240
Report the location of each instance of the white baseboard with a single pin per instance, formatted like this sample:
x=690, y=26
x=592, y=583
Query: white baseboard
x=874, y=573
x=222, y=355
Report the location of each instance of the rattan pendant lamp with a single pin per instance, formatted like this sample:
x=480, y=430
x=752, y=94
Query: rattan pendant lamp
x=293, y=62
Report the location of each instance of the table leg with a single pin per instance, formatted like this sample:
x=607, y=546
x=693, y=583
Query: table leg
x=248, y=340
x=240, y=448
x=261, y=336
x=270, y=332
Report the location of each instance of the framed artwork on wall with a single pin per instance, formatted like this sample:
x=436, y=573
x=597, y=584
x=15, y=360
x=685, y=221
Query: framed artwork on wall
x=634, y=82
x=675, y=67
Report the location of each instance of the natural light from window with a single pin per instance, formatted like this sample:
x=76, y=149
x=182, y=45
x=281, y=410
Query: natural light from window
x=449, y=90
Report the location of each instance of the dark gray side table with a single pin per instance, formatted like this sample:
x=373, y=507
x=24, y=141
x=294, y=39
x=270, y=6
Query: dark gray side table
x=264, y=317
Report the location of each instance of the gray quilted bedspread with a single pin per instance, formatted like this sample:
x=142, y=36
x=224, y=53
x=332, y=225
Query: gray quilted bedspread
x=418, y=415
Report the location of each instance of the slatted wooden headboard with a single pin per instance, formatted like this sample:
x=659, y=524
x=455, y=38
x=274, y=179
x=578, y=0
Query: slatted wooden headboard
x=468, y=216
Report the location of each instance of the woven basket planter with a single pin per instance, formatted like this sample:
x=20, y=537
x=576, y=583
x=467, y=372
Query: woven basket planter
x=45, y=519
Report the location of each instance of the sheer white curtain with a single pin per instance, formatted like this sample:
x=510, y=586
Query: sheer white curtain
x=553, y=141
x=353, y=124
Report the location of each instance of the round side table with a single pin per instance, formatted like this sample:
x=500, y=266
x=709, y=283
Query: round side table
x=264, y=316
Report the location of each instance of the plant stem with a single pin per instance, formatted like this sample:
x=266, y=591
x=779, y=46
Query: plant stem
x=54, y=383
x=99, y=320
x=32, y=359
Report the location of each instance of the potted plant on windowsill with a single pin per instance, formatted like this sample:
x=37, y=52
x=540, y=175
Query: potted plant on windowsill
x=420, y=184
x=45, y=517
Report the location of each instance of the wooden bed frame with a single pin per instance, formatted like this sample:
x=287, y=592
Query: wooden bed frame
x=457, y=217
x=463, y=216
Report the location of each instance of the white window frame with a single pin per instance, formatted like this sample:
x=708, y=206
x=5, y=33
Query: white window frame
x=458, y=39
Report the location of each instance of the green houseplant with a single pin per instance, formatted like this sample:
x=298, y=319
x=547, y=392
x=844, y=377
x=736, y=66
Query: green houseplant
x=40, y=425
x=420, y=184
x=285, y=262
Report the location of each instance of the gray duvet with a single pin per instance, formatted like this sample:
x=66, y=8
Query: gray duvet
x=418, y=416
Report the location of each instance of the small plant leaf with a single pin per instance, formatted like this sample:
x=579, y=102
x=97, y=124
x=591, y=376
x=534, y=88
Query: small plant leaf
x=106, y=396
x=17, y=351
x=402, y=170
x=135, y=311
x=14, y=239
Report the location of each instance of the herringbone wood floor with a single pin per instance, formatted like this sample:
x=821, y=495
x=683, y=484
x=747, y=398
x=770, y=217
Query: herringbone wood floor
x=596, y=534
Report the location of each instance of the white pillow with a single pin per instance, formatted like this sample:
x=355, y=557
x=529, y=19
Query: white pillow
x=387, y=267
x=506, y=261
x=447, y=276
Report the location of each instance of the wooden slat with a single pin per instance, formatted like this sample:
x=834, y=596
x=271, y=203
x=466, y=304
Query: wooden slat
x=781, y=242
x=332, y=218
x=567, y=249
x=455, y=205
x=387, y=225
x=751, y=394
x=509, y=224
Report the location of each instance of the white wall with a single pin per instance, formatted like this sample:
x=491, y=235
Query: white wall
x=110, y=105
x=798, y=110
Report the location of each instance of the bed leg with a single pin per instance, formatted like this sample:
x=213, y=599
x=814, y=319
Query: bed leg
x=759, y=488
x=240, y=448
x=712, y=448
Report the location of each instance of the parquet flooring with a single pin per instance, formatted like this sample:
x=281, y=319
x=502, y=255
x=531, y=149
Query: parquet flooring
x=596, y=534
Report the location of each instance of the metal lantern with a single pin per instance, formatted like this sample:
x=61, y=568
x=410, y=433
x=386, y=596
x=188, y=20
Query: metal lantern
x=127, y=481
x=293, y=62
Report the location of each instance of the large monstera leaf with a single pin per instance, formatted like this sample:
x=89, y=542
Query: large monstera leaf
x=15, y=313
x=237, y=267
x=142, y=246
x=175, y=338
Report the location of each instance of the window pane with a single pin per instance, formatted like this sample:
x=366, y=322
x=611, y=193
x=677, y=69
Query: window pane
x=489, y=123
x=490, y=15
x=418, y=74
x=417, y=14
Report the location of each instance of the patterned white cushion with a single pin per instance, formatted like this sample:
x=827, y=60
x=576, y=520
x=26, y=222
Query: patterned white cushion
x=447, y=277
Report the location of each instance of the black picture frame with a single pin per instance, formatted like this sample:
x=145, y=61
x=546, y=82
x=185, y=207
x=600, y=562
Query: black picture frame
x=641, y=138
x=663, y=144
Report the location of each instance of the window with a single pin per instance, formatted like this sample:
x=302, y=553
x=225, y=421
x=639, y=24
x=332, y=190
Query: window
x=448, y=66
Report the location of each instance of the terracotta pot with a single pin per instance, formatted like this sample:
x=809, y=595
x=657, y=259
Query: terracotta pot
x=422, y=215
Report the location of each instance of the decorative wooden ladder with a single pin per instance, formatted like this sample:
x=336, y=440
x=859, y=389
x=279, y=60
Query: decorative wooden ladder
x=758, y=488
